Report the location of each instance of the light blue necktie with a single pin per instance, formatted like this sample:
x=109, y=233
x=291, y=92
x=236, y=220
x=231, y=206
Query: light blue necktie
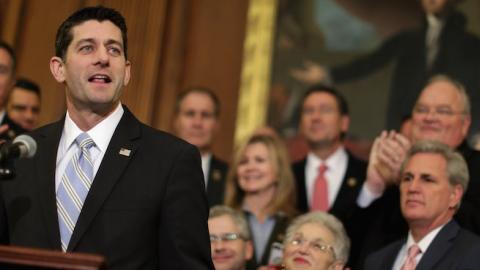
x=73, y=188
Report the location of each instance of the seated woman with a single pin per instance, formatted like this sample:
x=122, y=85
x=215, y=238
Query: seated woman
x=261, y=183
x=316, y=241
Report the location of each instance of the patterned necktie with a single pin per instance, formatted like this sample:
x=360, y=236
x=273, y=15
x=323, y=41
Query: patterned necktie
x=410, y=262
x=73, y=188
x=320, y=193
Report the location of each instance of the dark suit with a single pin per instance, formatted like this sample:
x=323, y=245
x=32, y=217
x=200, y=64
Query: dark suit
x=217, y=175
x=145, y=210
x=452, y=249
x=347, y=196
x=458, y=56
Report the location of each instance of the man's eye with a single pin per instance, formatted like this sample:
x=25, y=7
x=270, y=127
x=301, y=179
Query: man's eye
x=88, y=48
x=115, y=51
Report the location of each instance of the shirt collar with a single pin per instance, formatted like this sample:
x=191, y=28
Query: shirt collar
x=426, y=240
x=434, y=21
x=333, y=159
x=100, y=133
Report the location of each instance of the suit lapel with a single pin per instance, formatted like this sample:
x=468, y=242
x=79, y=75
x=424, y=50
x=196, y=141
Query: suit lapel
x=120, y=151
x=299, y=171
x=45, y=170
x=349, y=189
x=439, y=246
x=216, y=183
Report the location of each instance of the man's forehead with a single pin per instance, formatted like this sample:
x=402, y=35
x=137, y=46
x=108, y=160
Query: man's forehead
x=440, y=93
x=223, y=222
x=426, y=163
x=93, y=29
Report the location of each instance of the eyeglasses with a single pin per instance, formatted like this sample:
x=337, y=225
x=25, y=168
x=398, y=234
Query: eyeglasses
x=226, y=237
x=442, y=111
x=315, y=245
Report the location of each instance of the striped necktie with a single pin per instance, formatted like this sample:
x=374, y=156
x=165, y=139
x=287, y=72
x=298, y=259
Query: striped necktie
x=73, y=188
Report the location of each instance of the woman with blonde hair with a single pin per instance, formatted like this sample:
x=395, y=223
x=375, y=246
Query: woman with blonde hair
x=260, y=182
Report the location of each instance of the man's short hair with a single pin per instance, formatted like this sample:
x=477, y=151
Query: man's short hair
x=201, y=90
x=457, y=169
x=322, y=88
x=341, y=245
x=28, y=85
x=98, y=13
x=237, y=217
x=458, y=86
x=11, y=52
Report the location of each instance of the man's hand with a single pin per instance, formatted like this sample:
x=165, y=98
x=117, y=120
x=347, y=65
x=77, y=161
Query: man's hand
x=386, y=157
x=4, y=128
x=311, y=73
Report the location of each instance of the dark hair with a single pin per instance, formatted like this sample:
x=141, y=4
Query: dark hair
x=28, y=85
x=11, y=52
x=201, y=90
x=321, y=88
x=98, y=13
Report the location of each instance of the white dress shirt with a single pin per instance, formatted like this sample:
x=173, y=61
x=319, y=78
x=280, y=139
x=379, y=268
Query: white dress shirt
x=422, y=244
x=206, y=159
x=337, y=167
x=101, y=134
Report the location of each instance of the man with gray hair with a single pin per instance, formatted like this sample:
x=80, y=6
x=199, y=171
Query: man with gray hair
x=317, y=240
x=433, y=179
x=230, y=242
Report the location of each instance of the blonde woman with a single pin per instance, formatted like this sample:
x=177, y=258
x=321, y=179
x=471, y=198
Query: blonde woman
x=261, y=184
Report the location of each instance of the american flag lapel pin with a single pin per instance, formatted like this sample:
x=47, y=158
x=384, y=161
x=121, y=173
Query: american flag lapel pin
x=125, y=152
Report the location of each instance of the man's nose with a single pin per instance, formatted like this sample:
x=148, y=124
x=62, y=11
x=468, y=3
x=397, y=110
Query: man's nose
x=103, y=57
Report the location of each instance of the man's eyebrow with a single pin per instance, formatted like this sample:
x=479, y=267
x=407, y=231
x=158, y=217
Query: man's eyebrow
x=113, y=41
x=89, y=40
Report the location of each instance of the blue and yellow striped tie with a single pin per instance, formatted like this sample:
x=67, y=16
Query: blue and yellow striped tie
x=74, y=187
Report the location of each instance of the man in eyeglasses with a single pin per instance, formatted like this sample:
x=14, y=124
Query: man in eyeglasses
x=441, y=113
x=230, y=242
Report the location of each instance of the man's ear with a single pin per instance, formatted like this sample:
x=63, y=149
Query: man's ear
x=456, y=196
x=345, y=123
x=126, y=79
x=57, y=67
x=248, y=250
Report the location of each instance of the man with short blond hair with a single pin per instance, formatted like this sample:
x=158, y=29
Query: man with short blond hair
x=230, y=241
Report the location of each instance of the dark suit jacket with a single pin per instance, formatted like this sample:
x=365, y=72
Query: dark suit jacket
x=277, y=236
x=216, y=181
x=458, y=57
x=347, y=196
x=452, y=249
x=144, y=210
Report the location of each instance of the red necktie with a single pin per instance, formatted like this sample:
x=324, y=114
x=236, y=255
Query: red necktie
x=320, y=193
x=410, y=262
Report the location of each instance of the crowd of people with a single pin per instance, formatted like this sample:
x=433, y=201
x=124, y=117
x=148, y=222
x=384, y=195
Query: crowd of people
x=94, y=185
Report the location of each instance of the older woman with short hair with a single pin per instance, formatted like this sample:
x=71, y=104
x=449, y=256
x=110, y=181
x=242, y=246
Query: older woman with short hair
x=316, y=241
